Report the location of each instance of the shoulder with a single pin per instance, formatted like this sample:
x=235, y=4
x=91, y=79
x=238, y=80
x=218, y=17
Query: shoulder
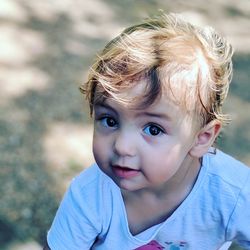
x=226, y=180
x=92, y=184
x=227, y=188
x=88, y=176
x=84, y=212
x=226, y=168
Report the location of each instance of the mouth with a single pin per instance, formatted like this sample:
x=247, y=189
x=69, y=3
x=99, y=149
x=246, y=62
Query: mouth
x=124, y=172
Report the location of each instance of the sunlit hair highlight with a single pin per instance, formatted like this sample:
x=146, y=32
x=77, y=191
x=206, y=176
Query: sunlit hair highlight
x=189, y=64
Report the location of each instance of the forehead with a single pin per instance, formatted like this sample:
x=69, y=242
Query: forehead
x=130, y=93
x=137, y=94
x=132, y=98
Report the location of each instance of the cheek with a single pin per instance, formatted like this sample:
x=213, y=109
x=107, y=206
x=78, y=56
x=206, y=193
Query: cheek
x=165, y=162
x=100, y=148
x=96, y=146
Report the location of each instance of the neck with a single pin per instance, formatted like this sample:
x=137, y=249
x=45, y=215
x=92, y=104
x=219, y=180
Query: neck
x=179, y=185
x=151, y=206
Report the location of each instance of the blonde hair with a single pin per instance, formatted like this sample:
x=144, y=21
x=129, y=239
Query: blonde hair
x=175, y=57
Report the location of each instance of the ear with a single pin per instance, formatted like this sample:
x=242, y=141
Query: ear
x=205, y=138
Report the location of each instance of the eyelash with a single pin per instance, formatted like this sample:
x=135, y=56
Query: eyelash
x=159, y=131
x=104, y=120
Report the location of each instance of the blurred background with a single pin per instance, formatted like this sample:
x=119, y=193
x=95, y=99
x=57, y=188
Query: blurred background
x=46, y=48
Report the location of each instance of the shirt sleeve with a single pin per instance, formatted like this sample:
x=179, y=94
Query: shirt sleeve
x=76, y=225
x=239, y=224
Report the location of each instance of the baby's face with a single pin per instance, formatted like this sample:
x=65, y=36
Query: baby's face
x=143, y=148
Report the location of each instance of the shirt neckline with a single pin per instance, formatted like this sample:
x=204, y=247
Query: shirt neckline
x=151, y=232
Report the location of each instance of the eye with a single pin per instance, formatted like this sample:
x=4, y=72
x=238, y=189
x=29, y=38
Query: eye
x=153, y=130
x=108, y=122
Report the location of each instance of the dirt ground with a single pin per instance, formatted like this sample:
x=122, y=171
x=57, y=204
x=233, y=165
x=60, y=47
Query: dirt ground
x=46, y=48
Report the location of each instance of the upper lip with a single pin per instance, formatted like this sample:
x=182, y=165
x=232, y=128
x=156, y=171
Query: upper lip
x=123, y=167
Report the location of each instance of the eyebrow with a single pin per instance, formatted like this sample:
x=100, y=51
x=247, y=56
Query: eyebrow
x=155, y=114
x=104, y=105
x=140, y=113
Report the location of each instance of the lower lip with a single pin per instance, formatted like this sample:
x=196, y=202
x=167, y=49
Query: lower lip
x=125, y=172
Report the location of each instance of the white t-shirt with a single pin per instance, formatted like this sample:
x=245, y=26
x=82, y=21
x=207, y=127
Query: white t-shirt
x=92, y=214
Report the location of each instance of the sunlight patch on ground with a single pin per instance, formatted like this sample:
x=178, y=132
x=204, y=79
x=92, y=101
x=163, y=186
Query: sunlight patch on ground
x=19, y=45
x=93, y=18
x=195, y=17
x=237, y=31
x=238, y=36
x=9, y=9
x=76, y=48
x=24, y=246
x=15, y=82
x=19, y=48
x=68, y=145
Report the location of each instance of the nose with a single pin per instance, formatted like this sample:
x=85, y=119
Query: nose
x=125, y=143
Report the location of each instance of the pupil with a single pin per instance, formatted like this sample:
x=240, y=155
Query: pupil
x=154, y=130
x=110, y=122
